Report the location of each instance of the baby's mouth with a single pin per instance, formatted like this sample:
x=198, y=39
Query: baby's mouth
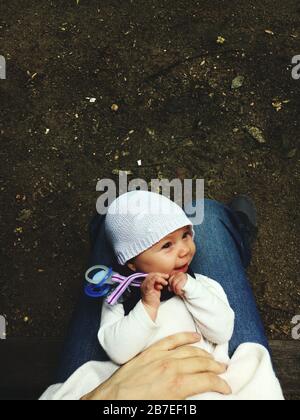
x=182, y=269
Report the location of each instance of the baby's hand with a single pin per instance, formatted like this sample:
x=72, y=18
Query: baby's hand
x=151, y=289
x=177, y=282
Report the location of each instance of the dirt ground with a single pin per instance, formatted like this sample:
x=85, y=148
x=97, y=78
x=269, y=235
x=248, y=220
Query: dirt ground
x=169, y=68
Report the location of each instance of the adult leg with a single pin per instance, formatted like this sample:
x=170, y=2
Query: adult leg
x=81, y=344
x=223, y=255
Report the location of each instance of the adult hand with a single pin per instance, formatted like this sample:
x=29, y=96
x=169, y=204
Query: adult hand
x=168, y=370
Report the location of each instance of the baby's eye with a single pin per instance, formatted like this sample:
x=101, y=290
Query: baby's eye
x=186, y=234
x=166, y=246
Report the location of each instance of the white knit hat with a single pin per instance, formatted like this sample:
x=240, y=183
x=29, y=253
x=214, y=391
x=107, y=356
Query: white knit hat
x=139, y=219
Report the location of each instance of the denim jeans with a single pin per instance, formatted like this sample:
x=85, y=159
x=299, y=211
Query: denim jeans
x=222, y=254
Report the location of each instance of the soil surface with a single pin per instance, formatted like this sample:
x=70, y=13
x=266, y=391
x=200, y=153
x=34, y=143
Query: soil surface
x=94, y=87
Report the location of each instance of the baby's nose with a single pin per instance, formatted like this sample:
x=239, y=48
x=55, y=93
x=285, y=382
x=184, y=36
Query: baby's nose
x=184, y=251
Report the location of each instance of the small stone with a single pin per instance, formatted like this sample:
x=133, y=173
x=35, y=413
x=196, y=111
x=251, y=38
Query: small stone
x=151, y=132
x=256, y=134
x=91, y=100
x=238, y=82
x=114, y=107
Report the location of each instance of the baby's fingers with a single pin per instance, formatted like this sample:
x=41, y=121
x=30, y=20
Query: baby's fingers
x=173, y=283
x=161, y=281
x=164, y=276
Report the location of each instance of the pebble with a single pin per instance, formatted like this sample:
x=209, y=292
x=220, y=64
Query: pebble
x=256, y=134
x=115, y=107
x=238, y=82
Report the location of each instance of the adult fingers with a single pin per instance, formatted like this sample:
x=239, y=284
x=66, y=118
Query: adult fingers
x=190, y=351
x=174, y=341
x=200, y=365
x=204, y=382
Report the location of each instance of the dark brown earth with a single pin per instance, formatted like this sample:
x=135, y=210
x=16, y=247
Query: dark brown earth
x=160, y=62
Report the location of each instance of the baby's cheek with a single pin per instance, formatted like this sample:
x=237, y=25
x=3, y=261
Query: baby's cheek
x=194, y=248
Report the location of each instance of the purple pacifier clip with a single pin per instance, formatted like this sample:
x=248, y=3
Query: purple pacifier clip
x=126, y=282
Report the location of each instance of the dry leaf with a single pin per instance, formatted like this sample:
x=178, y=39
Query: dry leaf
x=277, y=105
x=221, y=40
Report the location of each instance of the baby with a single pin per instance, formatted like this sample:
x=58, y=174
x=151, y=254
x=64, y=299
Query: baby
x=150, y=234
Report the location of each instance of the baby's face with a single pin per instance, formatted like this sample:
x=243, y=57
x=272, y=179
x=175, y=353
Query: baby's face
x=167, y=256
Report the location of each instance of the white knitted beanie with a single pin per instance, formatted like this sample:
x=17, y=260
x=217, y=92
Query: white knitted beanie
x=137, y=220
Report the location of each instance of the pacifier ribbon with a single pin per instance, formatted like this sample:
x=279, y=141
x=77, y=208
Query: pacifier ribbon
x=124, y=284
x=101, y=283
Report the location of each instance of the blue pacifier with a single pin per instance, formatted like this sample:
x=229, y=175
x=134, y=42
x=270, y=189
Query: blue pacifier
x=97, y=278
